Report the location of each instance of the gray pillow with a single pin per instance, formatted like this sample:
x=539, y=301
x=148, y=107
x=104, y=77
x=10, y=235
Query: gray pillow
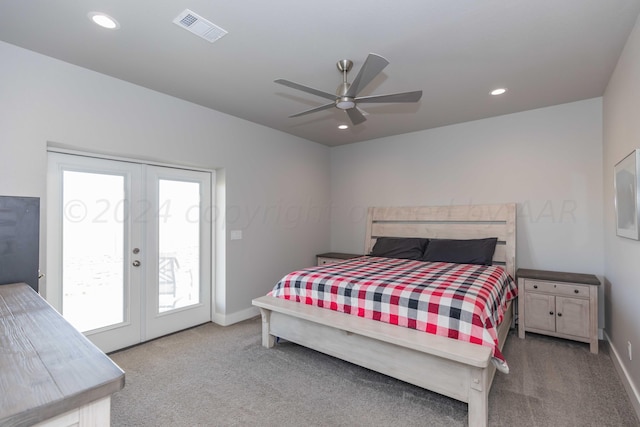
x=472, y=251
x=399, y=247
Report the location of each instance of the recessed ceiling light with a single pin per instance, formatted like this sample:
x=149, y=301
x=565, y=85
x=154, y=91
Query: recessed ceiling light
x=103, y=20
x=342, y=127
x=499, y=91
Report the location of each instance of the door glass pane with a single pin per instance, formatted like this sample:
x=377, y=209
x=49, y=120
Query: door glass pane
x=179, y=244
x=92, y=254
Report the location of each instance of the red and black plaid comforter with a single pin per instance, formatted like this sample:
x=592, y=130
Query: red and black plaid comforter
x=461, y=301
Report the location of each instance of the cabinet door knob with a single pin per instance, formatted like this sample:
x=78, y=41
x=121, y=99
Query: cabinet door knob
x=535, y=286
x=559, y=314
x=576, y=291
x=551, y=313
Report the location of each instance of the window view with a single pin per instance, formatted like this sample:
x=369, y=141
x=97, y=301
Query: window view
x=179, y=243
x=92, y=253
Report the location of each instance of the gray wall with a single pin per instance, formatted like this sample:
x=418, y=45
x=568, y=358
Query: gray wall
x=549, y=161
x=274, y=184
x=622, y=256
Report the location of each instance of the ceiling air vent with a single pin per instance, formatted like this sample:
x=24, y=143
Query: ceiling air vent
x=199, y=26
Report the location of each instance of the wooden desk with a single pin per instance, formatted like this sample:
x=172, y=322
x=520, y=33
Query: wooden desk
x=49, y=372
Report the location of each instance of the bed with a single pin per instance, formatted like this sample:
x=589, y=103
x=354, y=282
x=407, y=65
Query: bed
x=458, y=369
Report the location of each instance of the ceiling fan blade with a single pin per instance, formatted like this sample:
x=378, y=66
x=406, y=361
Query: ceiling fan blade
x=392, y=97
x=372, y=66
x=306, y=89
x=356, y=116
x=313, y=110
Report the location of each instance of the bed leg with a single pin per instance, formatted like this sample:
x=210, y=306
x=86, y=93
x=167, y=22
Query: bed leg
x=479, y=399
x=268, y=340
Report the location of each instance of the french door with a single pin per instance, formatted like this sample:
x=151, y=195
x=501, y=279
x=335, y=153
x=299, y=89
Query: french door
x=128, y=248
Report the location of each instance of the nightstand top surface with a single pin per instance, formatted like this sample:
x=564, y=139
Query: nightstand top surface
x=338, y=255
x=558, y=276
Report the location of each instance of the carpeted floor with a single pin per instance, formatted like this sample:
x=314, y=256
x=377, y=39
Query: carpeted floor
x=221, y=376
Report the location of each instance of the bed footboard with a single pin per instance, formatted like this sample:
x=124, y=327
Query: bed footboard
x=460, y=370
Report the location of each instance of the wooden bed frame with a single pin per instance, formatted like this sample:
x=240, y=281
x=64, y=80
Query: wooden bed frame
x=457, y=369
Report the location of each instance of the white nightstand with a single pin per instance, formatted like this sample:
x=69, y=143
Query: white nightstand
x=333, y=257
x=563, y=305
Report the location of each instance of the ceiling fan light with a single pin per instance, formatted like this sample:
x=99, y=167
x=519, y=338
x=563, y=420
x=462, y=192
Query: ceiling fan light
x=498, y=91
x=345, y=103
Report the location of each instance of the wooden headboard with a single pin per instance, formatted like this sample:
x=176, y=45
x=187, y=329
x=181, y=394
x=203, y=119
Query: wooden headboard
x=448, y=222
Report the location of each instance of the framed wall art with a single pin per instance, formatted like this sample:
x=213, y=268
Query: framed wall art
x=627, y=196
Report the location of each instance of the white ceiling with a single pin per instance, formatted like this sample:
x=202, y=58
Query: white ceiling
x=546, y=52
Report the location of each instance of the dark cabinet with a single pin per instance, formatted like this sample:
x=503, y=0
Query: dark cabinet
x=19, y=240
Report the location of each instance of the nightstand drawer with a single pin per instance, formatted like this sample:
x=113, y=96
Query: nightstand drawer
x=325, y=261
x=333, y=257
x=556, y=288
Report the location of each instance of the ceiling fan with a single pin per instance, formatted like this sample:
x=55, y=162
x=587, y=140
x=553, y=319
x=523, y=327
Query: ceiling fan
x=346, y=97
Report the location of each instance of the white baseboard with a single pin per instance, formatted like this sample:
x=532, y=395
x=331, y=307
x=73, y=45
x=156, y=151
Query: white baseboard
x=629, y=386
x=238, y=316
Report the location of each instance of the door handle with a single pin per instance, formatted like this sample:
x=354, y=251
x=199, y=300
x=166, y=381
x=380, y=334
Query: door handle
x=136, y=263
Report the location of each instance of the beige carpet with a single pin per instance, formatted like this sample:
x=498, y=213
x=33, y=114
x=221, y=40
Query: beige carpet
x=222, y=376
